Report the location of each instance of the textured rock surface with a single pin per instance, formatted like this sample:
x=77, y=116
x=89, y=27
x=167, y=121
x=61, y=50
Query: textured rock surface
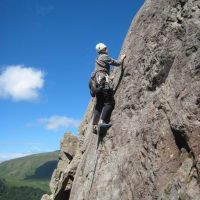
x=63, y=175
x=152, y=151
x=46, y=197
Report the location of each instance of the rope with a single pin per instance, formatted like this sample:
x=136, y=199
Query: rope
x=96, y=161
x=120, y=79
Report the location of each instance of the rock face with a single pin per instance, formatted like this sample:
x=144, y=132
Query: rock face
x=62, y=178
x=152, y=151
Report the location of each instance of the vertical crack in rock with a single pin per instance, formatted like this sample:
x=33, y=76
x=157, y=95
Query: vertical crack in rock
x=181, y=140
x=70, y=157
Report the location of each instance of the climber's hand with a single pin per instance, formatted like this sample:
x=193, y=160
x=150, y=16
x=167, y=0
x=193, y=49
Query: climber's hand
x=123, y=57
x=111, y=77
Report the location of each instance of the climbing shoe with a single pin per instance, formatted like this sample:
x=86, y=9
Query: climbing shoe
x=94, y=130
x=104, y=125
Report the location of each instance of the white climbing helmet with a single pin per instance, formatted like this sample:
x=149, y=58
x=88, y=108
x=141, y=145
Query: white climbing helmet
x=100, y=47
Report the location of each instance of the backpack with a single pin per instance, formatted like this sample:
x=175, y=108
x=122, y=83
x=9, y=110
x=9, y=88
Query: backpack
x=93, y=84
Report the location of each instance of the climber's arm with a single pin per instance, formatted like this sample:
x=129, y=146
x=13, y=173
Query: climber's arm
x=114, y=62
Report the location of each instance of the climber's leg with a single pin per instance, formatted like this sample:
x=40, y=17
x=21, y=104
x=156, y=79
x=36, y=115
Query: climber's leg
x=107, y=109
x=96, y=116
x=109, y=112
x=97, y=112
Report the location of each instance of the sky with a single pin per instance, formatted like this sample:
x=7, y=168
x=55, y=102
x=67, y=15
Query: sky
x=47, y=53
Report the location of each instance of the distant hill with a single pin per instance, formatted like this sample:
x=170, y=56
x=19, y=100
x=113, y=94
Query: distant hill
x=19, y=193
x=30, y=171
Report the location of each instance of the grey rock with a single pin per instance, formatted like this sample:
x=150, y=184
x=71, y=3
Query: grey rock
x=63, y=175
x=46, y=197
x=68, y=147
x=152, y=150
x=156, y=125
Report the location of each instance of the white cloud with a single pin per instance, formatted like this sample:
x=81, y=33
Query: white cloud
x=54, y=123
x=21, y=83
x=9, y=156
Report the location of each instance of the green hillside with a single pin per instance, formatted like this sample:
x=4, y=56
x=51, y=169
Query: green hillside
x=31, y=171
x=19, y=193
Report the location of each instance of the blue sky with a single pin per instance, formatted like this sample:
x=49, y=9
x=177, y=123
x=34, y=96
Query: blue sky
x=47, y=53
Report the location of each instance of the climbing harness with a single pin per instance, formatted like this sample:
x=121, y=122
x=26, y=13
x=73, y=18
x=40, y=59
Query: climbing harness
x=99, y=80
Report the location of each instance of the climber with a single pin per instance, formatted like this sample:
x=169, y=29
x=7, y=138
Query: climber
x=104, y=93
